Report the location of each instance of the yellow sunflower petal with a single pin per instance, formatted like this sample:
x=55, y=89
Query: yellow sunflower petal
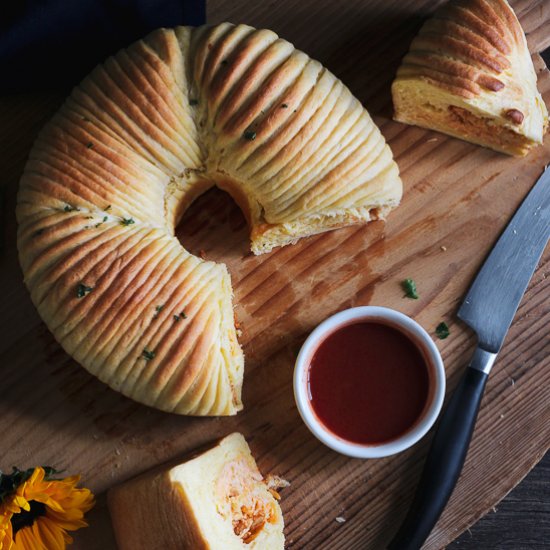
x=37, y=476
x=65, y=508
x=9, y=507
x=66, y=537
x=50, y=503
x=6, y=533
x=20, y=502
x=49, y=533
x=25, y=540
x=72, y=480
x=69, y=525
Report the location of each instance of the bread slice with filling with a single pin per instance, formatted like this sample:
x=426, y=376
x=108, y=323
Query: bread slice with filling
x=217, y=500
x=469, y=74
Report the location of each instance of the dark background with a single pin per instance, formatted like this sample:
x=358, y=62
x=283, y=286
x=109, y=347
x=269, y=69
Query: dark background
x=520, y=522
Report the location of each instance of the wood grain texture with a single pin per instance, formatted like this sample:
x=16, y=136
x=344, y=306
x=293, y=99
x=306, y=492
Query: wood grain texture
x=458, y=197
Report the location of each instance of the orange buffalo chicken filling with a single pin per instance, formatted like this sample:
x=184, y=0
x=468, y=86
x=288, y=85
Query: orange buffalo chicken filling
x=246, y=498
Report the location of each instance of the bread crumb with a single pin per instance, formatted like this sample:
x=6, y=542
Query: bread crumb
x=444, y=248
x=340, y=519
x=276, y=482
x=431, y=140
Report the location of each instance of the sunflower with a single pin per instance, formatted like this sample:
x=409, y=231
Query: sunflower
x=36, y=511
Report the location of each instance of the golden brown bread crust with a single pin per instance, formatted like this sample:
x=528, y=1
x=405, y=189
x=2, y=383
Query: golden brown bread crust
x=472, y=55
x=465, y=46
x=136, y=142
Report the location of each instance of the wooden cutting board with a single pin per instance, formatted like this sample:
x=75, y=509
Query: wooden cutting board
x=458, y=197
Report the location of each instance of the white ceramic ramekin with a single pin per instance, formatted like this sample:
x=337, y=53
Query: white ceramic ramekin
x=417, y=335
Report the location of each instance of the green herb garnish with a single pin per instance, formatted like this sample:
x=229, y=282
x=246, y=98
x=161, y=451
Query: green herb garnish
x=105, y=218
x=148, y=355
x=108, y=207
x=250, y=135
x=442, y=331
x=89, y=145
x=127, y=221
x=193, y=102
x=158, y=309
x=70, y=208
x=409, y=286
x=82, y=290
x=284, y=106
x=180, y=316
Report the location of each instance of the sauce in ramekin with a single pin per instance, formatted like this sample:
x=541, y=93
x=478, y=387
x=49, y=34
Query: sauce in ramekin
x=368, y=382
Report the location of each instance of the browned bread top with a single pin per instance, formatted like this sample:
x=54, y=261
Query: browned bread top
x=467, y=44
x=469, y=73
x=136, y=142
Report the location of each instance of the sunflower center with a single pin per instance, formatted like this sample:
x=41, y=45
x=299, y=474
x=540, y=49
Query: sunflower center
x=26, y=519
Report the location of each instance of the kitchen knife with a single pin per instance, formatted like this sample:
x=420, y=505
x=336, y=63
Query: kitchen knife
x=488, y=308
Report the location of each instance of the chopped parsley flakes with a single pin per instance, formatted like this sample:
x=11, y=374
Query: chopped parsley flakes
x=442, y=331
x=148, y=354
x=180, y=316
x=409, y=286
x=82, y=290
x=158, y=309
x=250, y=135
x=127, y=221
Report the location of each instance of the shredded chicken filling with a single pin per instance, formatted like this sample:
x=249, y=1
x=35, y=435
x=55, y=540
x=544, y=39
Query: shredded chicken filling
x=243, y=496
x=482, y=127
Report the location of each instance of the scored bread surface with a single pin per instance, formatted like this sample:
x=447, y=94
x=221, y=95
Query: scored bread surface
x=469, y=74
x=112, y=173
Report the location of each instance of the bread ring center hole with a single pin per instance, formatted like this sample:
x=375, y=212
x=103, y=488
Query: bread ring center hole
x=214, y=227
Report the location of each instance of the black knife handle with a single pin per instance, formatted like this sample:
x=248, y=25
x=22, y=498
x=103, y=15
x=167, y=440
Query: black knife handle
x=444, y=462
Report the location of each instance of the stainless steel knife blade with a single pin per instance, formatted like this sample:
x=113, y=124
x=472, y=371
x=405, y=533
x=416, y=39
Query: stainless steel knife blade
x=495, y=294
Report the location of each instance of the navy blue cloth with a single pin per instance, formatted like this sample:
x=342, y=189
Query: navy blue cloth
x=53, y=44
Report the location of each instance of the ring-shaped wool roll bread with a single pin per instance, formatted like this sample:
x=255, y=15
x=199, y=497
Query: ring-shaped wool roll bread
x=142, y=136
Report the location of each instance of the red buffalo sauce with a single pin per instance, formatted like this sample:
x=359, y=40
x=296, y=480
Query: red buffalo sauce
x=368, y=382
